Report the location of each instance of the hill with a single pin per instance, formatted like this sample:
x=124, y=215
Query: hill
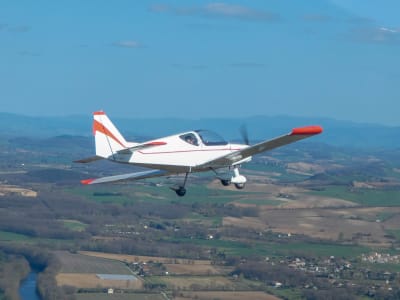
x=336, y=133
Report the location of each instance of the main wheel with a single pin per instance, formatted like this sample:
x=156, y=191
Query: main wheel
x=225, y=182
x=239, y=186
x=181, y=191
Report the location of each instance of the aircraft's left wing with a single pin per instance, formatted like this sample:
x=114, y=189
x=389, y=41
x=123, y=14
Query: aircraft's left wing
x=295, y=135
x=128, y=176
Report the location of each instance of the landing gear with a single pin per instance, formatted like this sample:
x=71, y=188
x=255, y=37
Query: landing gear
x=237, y=179
x=225, y=182
x=223, y=178
x=180, y=190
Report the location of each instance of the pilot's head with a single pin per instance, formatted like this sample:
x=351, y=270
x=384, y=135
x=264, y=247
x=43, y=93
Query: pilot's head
x=189, y=139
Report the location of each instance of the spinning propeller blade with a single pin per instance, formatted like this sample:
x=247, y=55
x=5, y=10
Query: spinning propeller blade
x=245, y=134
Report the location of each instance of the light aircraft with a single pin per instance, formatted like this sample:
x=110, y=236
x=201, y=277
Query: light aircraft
x=183, y=153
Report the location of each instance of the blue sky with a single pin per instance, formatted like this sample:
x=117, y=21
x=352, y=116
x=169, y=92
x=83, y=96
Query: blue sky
x=193, y=59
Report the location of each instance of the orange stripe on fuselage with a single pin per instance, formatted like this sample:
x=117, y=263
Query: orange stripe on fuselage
x=184, y=151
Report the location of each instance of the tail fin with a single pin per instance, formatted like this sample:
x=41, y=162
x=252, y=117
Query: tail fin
x=107, y=137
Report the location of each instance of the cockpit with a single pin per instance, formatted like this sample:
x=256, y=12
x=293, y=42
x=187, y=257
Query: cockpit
x=190, y=138
x=207, y=137
x=210, y=138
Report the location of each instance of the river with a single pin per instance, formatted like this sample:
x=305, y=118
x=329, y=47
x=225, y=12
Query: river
x=27, y=290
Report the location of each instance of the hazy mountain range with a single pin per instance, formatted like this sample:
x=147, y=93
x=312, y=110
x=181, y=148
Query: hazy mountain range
x=337, y=133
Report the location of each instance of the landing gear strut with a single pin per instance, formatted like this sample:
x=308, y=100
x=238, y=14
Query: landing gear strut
x=180, y=190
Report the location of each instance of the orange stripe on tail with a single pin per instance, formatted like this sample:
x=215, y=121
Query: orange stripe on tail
x=97, y=126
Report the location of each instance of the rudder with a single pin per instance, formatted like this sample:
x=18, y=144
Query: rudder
x=108, y=139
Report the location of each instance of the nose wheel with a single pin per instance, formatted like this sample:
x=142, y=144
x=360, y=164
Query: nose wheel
x=238, y=180
x=239, y=186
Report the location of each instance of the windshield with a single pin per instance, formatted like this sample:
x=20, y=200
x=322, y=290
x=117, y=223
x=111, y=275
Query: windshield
x=210, y=138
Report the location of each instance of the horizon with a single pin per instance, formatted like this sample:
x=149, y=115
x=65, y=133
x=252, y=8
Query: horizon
x=201, y=118
x=335, y=59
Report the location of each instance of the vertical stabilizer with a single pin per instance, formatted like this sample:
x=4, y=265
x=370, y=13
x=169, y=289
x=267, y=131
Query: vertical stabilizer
x=107, y=137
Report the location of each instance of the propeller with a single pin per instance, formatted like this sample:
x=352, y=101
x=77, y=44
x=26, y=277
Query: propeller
x=245, y=134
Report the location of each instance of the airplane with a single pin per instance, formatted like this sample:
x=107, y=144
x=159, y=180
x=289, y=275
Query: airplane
x=182, y=153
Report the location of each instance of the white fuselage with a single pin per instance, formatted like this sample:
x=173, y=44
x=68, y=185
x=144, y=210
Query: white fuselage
x=176, y=154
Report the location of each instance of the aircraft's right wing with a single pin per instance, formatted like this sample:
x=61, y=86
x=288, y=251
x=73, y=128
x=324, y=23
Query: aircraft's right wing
x=237, y=156
x=128, y=176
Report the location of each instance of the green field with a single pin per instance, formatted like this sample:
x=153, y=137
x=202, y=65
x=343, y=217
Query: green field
x=279, y=249
x=125, y=296
x=14, y=237
x=74, y=225
x=387, y=267
x=216, y=282
x=395, y=233
x=286, y=293
x=323, y=250
x=78, y=263
x=365, y=197
x=260, y=202
x=197, y=218
x=384, y=216
x=123, y=194
x=283, y=176
x=6, y=236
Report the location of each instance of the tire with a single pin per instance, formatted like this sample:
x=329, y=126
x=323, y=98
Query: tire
x=239, y=186
x=181, y=192
x=225, y=182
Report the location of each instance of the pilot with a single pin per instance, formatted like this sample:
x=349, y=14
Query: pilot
x=190, y=139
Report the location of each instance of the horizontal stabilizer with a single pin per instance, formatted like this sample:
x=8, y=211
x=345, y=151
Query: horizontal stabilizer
x=88, y=159
x=128, y=176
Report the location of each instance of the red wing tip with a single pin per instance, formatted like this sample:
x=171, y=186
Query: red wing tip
x=98, y=113
x=87, y=181
x=307, y=130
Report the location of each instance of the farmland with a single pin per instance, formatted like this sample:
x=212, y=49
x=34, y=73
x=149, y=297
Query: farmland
x=226, y=296
x=126, y=296
x=78, y=263
x=298, y=230
x=82, y=271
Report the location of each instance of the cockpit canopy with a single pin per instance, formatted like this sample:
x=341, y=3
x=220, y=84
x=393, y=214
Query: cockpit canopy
x=210, y=138
x=190, y=138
